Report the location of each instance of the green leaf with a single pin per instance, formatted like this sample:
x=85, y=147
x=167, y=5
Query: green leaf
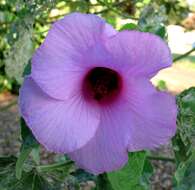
x=29, y=181
x=27, y=137
x=39, y=182
x=20, y=161
x=129, y=176
x=161, y=85
x=71, y=183
x=83, y=176
x=129, y=26
x=58, y=173
x=36, y=154
x=153, y=21
x=47, y=177
x=21, y=51
x=184, y=143
x=8, y=180
x=63, y=166
x=28, y=144
x=27, y=69
x=5, y=160
x=7, y=176
x=184, y=175
x=182, y=167
x=146, y=174
x=103, y=183
x=161, y=31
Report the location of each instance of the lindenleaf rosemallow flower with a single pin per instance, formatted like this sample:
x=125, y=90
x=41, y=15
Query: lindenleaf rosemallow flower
x=89, y=93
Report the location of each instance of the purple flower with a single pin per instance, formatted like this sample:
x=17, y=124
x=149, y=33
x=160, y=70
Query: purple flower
x=89, y=93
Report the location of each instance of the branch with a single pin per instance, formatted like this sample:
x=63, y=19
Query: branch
x=161, y=158
x=183, y=55
x=46, y=168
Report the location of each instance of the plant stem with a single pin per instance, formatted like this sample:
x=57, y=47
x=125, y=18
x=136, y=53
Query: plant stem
x=183, y=55
x=49, y=167
x=161, y=158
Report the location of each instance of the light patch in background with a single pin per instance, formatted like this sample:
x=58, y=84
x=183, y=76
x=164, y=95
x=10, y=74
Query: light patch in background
x=182, y=74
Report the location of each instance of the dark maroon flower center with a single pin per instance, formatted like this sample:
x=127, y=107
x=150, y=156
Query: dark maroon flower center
x=102, y=84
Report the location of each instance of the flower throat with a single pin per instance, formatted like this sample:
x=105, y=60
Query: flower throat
x=102, y=84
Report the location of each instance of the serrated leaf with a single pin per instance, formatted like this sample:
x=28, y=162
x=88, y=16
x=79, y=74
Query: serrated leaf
x=129, y=176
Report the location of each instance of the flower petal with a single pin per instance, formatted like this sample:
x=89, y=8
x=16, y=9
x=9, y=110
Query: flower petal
x=153, y=115
x=61, y=126
x=139, y=53
x=142, y=119
x=58, y=62
x=107, y=151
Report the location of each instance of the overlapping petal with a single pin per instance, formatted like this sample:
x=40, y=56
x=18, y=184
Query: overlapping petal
x=61, y=126
x=58, y=63
x=139, y=53
x=153, y=115
x=107, y=150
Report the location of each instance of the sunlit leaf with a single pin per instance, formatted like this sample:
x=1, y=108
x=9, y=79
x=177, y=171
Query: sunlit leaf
x=146, y=174
x=129, y=26
x=129, y=176
x=20, y=53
